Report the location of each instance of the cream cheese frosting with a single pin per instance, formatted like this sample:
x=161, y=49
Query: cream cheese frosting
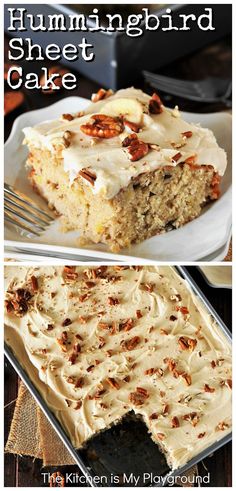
x=110, y=162
x=101, y=342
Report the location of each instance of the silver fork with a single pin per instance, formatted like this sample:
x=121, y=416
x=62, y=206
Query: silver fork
x=21, y=211
x=209, y=90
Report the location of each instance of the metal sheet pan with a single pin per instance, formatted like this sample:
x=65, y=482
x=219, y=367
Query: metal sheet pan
x=120, y=59
x=127, y=447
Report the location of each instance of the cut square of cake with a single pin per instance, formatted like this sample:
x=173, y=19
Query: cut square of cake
x=125, y=169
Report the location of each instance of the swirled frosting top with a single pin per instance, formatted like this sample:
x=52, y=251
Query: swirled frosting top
x=100, y=342
x=108, y=160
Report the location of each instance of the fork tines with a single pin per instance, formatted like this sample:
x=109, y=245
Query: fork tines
x=21, y=211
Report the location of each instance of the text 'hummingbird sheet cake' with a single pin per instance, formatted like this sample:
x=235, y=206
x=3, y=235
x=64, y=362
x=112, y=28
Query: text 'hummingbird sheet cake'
x=125, y=169
x=101, y=342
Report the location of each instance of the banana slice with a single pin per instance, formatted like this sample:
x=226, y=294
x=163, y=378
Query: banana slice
x=130, y=109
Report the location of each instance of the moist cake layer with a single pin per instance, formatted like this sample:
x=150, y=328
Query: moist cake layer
x=100, y=342
x=171, y=140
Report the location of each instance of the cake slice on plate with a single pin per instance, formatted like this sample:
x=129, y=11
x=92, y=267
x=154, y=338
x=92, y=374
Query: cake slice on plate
x=125, y=169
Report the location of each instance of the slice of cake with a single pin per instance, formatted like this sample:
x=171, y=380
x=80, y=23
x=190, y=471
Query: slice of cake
x=101, y=342
x=125, y=169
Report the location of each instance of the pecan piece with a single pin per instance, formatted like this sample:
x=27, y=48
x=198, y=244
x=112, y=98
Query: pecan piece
x=73, y=357
x=193, y=418
x=207, y=388
x=187, y=343
x=201, y=435
x=153, y=416
x=137, y=150
x=34, y=283
x=176, y=157
x=101, y=94
x=66, y=322
x=187, y=378
x=131, y=126
x=113, y=383
x=222, y=426
x=102, y=126
x=155, y=104
x=113, y=301
x=139, y=314
x=139, y=396
x=88, y=175
x=160, y=436
x=187, y=134
x=130, y=344
x=175, y=422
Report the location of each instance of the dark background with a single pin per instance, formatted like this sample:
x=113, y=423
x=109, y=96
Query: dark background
x=25, y=471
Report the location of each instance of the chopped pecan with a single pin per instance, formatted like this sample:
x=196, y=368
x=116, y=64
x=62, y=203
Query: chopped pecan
x=176, y=157
x=155, y=104
x=113, y=301
x=187, y=343
x=90, y=368
x=88, y=175
x=137, y=149
x=160, y=436
x=73, y=357
x=131, y=126
x=148, y=287
x=67, y=137
x=127, y=325
x=150, y=371
x=129, y=140
x=102, y=341
x=101, y=94
x=127, y=378
x=187, y=378
x=69, y=273
x=153, y=416
x=170, y=363
x=187, y=134
x=139, y=396
x=229, y=383
x=102, y=126
x=193, y=418
x=207, y=388
x=79, y=383
x=173, y=318
x=50, y=327
x=222, y=426
x=201, y=435
x=139, y=314
x=113, y=383
x=66, y=322
x=130, y=344
x=175, y=422
x=67, y=117
x=183, y=310
x=34, y=283
x=190, y=160
x=165, y=411
x=78, y=405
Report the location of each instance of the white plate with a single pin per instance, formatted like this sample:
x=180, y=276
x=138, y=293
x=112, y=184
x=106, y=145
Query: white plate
x=217, y=276
x=197, y=239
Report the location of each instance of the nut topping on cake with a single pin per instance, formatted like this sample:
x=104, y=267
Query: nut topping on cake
x=139, y=396
x=88, y=175
x=155, y=104
x=130, y=344
x=102, y=126
x=101, y=94
x=175, y=422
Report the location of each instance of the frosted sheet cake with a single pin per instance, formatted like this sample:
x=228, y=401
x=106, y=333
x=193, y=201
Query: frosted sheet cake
x=101, y=342
x=125, y=169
